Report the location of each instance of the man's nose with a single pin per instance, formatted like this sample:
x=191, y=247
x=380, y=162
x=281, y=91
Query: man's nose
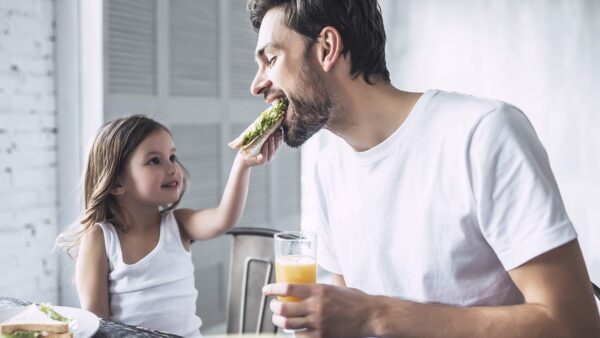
x=260, y=83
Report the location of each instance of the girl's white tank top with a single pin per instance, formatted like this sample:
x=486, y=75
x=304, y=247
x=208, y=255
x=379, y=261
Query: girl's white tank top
x=158, y=291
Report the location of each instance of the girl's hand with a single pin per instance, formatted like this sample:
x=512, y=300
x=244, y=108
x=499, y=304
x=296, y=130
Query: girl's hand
x=210, y=223
x=268, y=150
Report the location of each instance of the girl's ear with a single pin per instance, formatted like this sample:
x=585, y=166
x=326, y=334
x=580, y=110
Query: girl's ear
x=329, y=47
x=118, y=189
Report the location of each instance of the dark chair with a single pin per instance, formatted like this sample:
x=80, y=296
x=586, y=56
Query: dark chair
x=252, y=266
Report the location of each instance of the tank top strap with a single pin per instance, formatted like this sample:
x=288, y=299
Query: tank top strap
x=171, y=229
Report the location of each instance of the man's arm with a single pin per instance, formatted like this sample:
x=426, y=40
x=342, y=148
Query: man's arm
x=558, y=303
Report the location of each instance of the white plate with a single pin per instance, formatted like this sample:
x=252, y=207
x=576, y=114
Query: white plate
x=83, y=325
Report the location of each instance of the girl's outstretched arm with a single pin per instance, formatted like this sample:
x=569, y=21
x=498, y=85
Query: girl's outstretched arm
x=91, y=273
x=210, y=223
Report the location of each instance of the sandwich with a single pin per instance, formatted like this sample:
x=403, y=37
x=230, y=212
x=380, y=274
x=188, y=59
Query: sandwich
x=36, y=321
x=251, y=140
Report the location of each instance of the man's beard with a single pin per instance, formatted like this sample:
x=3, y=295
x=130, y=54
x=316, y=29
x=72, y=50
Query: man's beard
x=309, y=115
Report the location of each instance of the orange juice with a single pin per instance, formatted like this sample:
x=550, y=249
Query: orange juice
x=295, y=269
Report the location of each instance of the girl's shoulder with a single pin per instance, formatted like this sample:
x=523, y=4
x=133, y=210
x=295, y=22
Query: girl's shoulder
x=92, y=243
x=94, y=235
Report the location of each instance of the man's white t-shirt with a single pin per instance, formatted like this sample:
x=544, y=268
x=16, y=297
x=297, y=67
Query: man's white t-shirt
x=458, y=195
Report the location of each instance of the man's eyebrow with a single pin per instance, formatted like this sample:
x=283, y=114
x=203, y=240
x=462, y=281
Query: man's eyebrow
x=261, y=52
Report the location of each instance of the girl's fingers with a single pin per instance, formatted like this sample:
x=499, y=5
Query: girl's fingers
x=264, y=152
x=278, y=140
x=271, y=147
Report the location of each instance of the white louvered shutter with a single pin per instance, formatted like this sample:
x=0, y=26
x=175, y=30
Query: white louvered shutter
x=194, y=48
x=131, y=46
x=189, y=64
x=242, y=43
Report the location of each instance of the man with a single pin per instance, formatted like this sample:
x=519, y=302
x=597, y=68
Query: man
x=439, y=215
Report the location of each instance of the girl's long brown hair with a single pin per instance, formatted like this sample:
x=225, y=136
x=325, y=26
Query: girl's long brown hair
x=115, y=142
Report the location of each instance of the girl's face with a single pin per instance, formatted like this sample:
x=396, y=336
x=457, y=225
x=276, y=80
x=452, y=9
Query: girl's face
x=152, y=175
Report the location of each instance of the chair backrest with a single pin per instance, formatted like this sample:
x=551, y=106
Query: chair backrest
x=252, y=266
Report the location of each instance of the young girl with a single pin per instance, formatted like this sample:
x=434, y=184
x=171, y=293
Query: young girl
x=133, y=261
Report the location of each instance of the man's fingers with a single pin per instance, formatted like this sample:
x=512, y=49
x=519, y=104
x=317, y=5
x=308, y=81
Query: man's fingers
x=288, y=309
x=290, y=322
x=287, y=289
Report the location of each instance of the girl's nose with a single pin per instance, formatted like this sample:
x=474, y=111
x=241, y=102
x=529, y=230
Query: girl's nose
x=172, y=169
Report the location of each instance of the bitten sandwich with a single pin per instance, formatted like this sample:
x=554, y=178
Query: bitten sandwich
x=36, y=321
x=251, y=140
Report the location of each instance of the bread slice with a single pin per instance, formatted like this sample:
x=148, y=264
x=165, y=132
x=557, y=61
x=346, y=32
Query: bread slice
x=253, y=147
x=32, y=319
x=57, y=335
x=47, y=335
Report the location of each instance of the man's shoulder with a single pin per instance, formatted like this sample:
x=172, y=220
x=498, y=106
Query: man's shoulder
x=465, y=104
x=468, y=110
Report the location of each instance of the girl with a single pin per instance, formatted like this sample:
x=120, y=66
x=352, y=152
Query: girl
x=133, y=263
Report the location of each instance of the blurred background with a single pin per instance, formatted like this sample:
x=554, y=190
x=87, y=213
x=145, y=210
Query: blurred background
x=67, y=66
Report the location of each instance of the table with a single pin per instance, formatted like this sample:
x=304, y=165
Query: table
x=108, y=328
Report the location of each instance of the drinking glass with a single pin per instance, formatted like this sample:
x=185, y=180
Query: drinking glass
x=295, y=261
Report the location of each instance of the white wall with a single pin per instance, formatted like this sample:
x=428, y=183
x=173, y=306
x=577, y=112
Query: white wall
x=539, y=55
x=28, y=148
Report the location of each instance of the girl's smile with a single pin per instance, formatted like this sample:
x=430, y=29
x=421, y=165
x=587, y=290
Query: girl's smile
x=171, y=185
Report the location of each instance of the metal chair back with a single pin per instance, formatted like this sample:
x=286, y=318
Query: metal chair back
x=252, y=266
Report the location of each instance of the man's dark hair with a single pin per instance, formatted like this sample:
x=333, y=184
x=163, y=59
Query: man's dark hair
x=359, y=22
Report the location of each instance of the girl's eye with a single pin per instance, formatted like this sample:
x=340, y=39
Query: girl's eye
x=154, y=160
x=173, y=158
x=271, y=61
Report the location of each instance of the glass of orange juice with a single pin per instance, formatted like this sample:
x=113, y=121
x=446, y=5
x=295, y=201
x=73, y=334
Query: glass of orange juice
x=295, y=259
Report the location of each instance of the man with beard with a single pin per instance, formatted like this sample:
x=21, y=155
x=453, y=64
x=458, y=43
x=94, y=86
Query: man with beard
x=438, y=213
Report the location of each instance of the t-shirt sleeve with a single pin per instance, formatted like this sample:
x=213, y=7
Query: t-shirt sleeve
x=519, y=208
x=315, y=220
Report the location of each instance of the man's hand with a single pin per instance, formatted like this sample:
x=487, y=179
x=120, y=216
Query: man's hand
x=326, y=311
x=558, y=303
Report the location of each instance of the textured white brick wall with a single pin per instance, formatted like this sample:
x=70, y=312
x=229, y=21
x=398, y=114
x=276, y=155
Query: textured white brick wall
x=28, y=150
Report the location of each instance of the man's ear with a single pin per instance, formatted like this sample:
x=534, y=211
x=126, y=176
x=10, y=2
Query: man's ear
x=330, y=47
x=117, y=189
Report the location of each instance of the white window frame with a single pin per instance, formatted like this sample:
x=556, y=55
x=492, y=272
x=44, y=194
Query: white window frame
x=79, y=113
